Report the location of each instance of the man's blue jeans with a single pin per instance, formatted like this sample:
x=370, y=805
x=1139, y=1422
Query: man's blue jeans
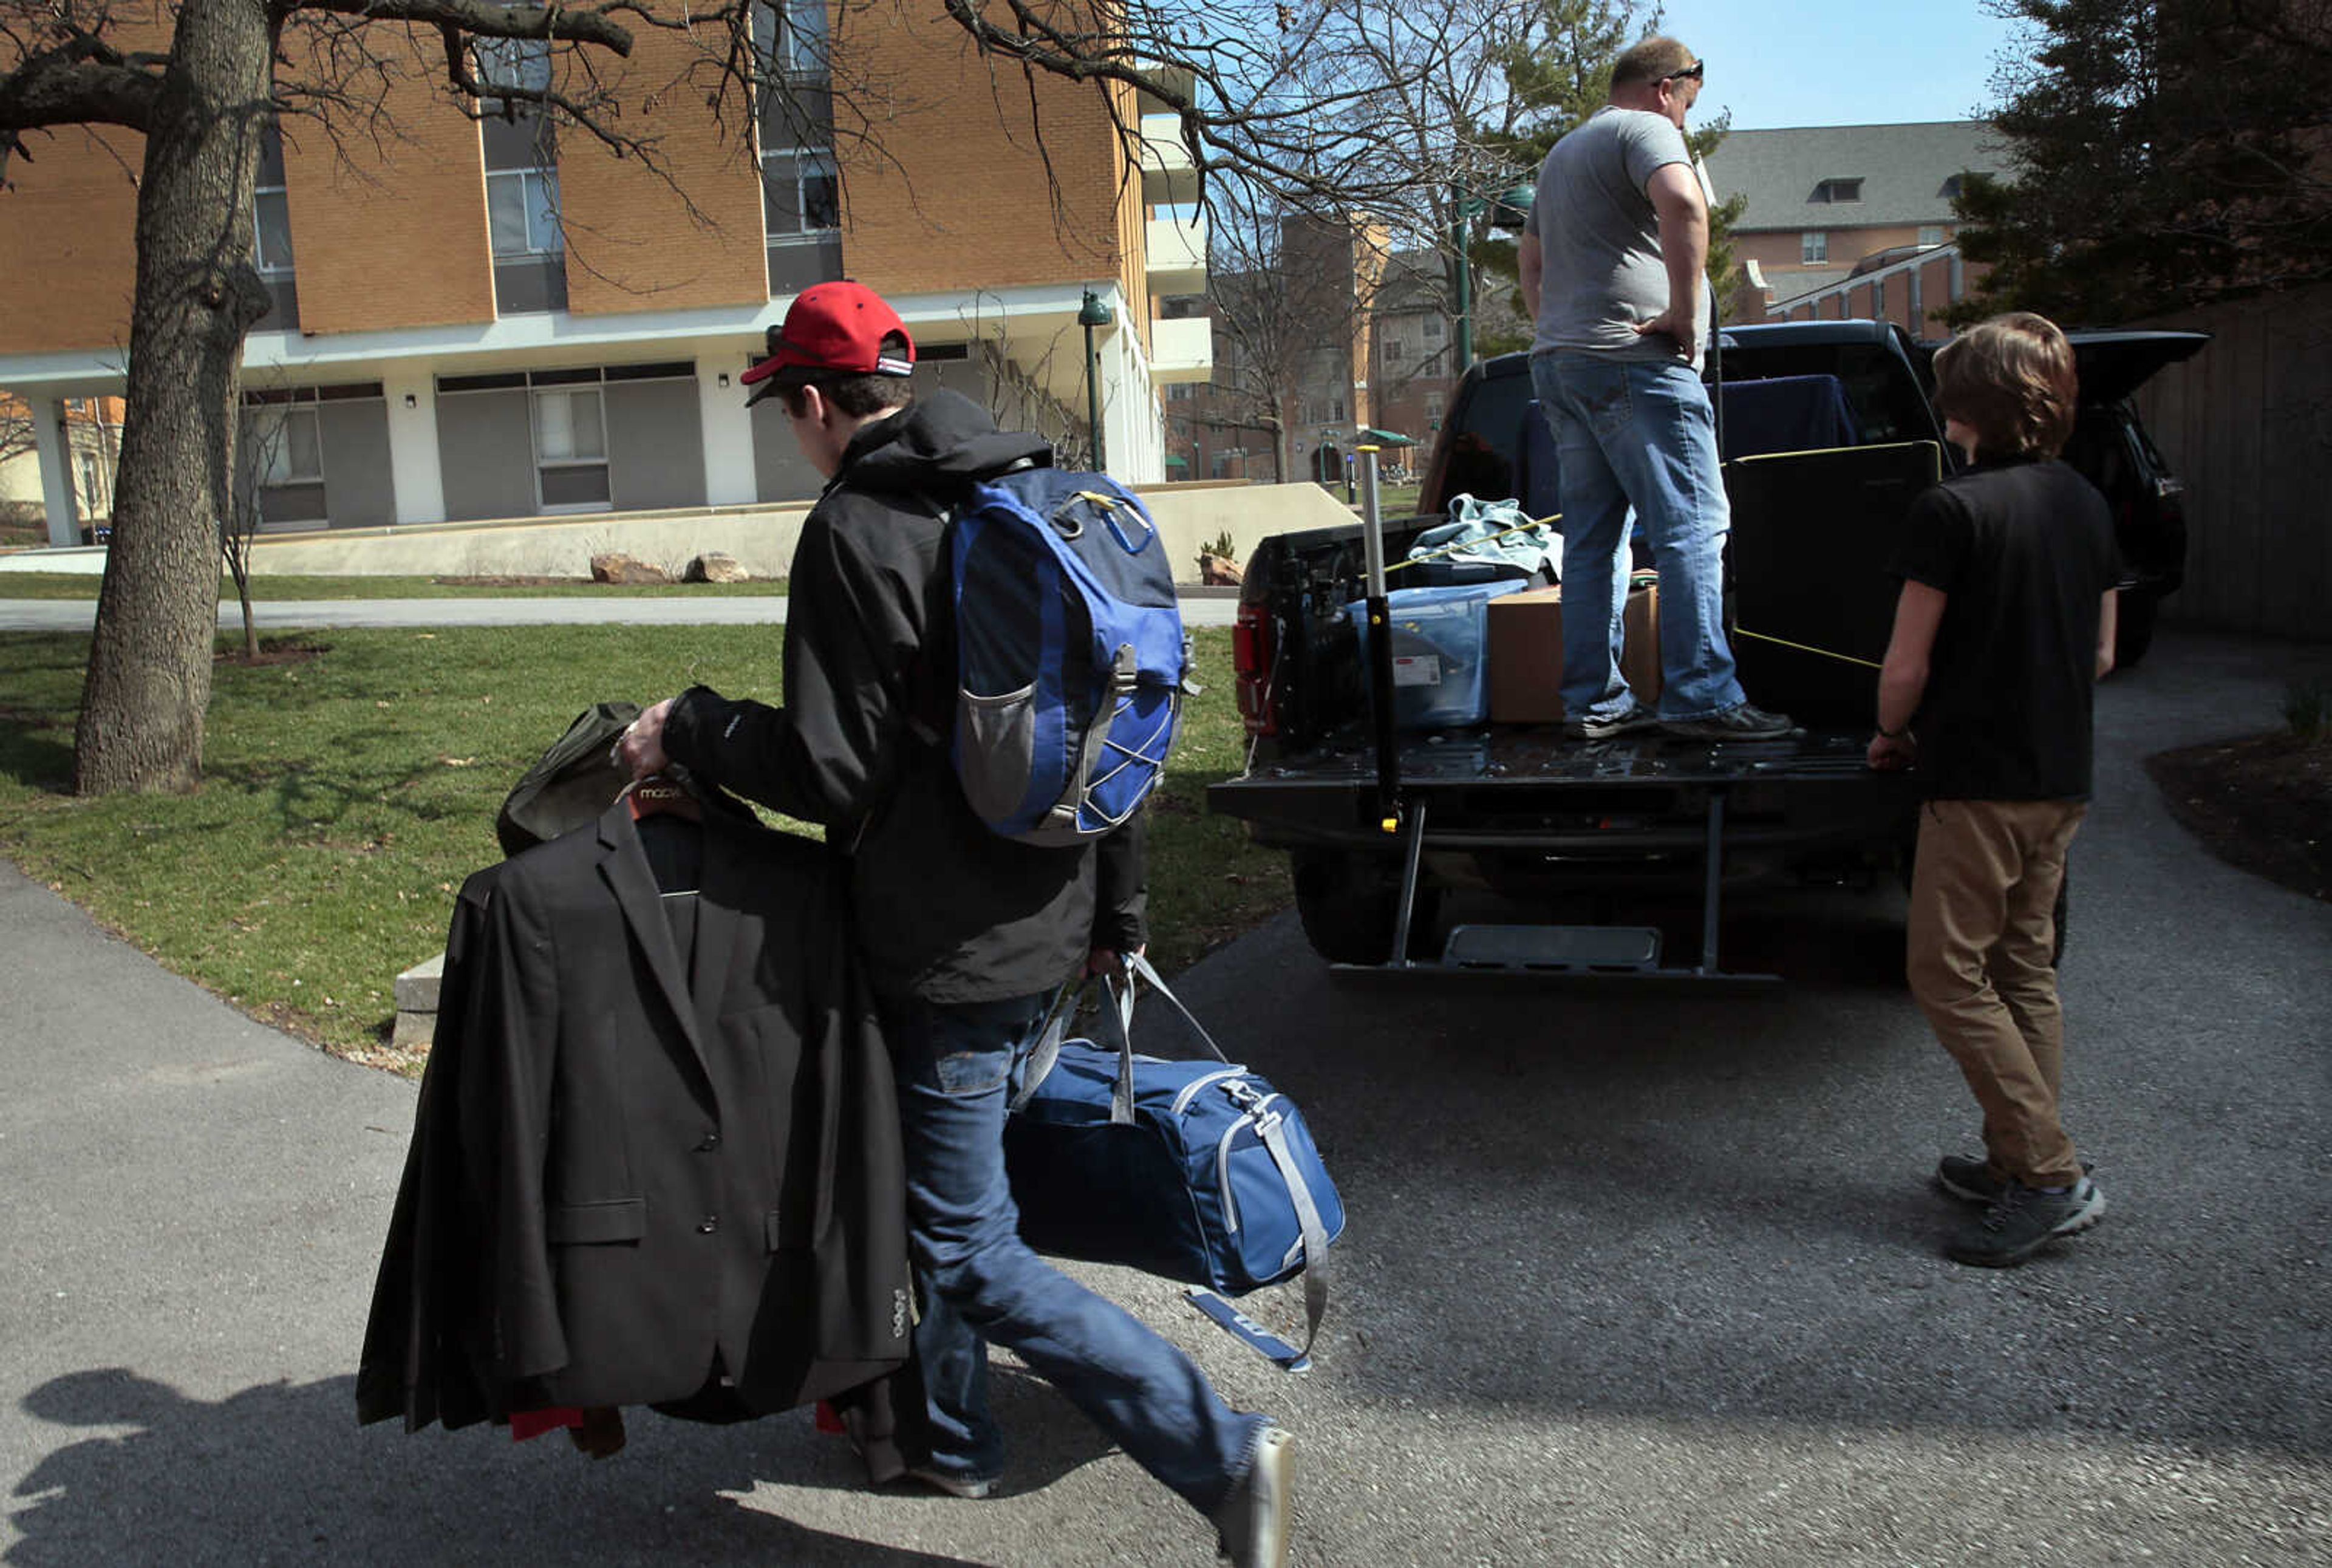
x=956, y=1067
x=1641, y=433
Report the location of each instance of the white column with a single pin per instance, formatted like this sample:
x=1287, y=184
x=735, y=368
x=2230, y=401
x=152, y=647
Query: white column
x=729, y=475
x=56, y=470
x=413, y=465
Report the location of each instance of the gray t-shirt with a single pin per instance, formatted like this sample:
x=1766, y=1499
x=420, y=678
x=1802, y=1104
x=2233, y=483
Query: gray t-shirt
x=1600, y=237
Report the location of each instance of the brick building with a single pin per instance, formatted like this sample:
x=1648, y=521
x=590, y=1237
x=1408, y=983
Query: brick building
x=1852, y=220
x=484, y=319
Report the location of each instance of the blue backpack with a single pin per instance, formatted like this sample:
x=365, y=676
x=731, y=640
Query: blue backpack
x=1071, y=660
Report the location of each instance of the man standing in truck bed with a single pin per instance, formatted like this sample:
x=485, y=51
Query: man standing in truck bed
x=1612, y=262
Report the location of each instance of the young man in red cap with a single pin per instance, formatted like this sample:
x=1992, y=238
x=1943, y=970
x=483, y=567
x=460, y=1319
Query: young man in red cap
x=964, y=933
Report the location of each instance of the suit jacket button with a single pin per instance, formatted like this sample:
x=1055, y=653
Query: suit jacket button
x=709, y=1142
x=708, y=1224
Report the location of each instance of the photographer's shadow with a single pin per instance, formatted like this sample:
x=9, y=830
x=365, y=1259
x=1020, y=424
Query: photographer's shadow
x=280, y=1472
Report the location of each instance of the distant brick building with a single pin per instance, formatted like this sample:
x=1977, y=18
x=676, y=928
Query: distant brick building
x=1852, y=220
x=485, y=320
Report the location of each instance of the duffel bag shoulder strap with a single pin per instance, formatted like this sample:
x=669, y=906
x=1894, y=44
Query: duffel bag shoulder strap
x=1274, y=1134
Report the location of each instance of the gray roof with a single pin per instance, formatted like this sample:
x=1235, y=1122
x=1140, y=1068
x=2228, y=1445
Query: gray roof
x=1903, y=169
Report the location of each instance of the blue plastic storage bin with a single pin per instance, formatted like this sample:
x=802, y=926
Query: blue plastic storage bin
x=1440, y=643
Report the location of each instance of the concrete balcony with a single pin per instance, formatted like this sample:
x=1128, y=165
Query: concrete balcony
x=1177, y=255
x=1182, y=350
x=1168, y=175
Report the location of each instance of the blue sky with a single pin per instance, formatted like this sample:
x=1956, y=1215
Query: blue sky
x=1786, y=62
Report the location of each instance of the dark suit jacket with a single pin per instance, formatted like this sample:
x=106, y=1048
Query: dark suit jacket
x=650, y=1162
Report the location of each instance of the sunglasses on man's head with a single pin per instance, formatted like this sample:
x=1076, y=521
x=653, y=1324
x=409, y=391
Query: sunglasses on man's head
x=1698, y=70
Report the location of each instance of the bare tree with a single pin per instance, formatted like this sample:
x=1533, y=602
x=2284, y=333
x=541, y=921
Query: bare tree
x=262, y=441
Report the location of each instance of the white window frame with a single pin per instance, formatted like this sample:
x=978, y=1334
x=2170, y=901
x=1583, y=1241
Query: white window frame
x=535, y=397
x=803, y=157
x=1433, y=403
x=542, y=181
x=1813, y=247
x=268, y=267
x=279, y=470
x=1931, y=233
x=1435, y=326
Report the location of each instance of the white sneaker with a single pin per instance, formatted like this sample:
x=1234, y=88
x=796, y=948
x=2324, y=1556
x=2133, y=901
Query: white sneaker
x=1254, y=1519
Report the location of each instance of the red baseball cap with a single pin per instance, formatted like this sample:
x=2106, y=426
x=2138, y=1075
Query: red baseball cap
x=831, y=328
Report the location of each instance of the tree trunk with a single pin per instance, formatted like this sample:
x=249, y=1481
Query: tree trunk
x=197, y=293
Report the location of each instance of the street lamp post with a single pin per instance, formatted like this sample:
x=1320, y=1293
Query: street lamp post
x=1094, y=312
x=1506, y=209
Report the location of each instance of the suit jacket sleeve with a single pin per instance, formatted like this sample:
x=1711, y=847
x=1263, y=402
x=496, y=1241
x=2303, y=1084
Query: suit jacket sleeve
x=512, y=1032
x=413, y=1364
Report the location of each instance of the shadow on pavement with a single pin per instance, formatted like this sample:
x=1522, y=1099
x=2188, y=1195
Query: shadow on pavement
x=281, y=1472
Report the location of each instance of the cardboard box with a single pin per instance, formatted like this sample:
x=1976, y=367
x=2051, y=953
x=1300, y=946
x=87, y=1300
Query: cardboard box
x=1526, y=653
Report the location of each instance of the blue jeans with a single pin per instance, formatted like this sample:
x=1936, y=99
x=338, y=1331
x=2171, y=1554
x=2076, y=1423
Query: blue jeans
x=979, y=1284
x=1638, y=433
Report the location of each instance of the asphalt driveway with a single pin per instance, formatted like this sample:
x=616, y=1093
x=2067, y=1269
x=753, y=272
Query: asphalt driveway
x=1628, y=1280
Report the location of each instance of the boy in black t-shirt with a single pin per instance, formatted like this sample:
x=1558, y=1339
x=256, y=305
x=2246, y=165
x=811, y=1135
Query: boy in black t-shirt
x=2005, y=622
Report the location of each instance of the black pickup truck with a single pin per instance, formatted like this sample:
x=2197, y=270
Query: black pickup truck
x=1828, y=432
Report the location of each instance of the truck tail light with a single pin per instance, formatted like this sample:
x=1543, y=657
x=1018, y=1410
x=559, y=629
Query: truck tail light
x=1253, y=647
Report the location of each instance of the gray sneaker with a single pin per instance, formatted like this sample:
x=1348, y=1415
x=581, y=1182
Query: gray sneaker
x=1592, y=728
x=2023, y=1220
x=971, y=1488
x=1972, y=1181
x=1254, y=1519
x=1742, y=723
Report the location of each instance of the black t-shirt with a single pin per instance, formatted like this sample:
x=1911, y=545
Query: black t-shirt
x=2023, y=552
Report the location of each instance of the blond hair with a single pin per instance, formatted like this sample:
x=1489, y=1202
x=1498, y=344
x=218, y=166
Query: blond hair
x=1653, y=59
x=2011, y=380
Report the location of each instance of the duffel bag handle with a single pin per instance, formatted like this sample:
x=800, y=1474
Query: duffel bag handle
x=1119, y=985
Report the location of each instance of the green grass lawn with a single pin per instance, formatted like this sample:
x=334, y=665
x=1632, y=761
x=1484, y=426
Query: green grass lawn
x=58, y=584
x=348, y=792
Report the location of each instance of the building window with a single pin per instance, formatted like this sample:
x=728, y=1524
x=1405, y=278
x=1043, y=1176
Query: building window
x=801, y=199
x=1178, y=392
x=1433, y=403
x=292, y=453
x=570, y=449
x=522, y=211
x=1838, y=190
x=520, y=63
x=791, y=36
x=1337, y=414
x=1434, y=328
x=1931, y=233
x=1395, y=351
x=1813, y=245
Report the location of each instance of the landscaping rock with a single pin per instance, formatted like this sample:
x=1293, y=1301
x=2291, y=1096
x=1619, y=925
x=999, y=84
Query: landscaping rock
x=714, y=566
x=614, y=566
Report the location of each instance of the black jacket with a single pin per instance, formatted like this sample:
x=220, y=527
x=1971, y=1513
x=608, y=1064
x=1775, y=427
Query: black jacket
x=627, y=1163
x=946, y=909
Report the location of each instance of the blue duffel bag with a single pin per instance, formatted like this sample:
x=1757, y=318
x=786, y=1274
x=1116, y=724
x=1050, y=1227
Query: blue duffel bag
x=1200, y=1172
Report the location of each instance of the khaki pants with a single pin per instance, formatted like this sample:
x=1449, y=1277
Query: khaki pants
x=1984, y=890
